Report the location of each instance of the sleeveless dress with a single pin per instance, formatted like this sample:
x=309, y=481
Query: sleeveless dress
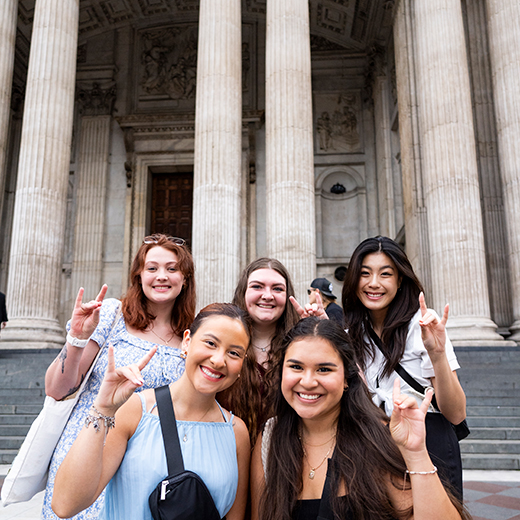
x=164, y=368
x=210, y=451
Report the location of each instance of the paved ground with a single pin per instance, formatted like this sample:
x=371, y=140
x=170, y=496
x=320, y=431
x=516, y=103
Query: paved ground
x=489, y=495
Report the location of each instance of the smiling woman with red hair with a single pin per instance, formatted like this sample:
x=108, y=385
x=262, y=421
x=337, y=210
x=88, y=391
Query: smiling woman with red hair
x=158, y=307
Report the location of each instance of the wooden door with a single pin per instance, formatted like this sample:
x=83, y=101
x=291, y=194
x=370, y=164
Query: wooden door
x=172, y=204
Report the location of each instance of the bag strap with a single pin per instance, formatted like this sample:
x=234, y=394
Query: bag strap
x=401, y=370
x=172, y=446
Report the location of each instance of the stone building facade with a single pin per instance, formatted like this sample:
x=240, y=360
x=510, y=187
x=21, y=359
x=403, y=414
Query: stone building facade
x=292, y=129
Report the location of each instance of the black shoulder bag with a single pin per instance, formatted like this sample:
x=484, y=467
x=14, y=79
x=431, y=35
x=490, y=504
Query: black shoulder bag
x=441, y=435
x=183, y=494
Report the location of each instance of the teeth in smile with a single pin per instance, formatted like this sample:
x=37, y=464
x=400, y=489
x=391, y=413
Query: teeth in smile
x=266, y=306
x=210, y=374
x=374, y=295
x=309, y=396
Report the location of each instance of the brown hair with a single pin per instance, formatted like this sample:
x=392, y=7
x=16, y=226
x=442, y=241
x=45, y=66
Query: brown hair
x=245, y=397
x=365, y=456
x=135, y=304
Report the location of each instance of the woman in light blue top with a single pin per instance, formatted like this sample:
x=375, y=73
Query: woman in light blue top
x=214, y=443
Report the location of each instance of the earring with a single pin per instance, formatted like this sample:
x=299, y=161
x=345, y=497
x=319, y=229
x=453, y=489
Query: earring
x=184, y=354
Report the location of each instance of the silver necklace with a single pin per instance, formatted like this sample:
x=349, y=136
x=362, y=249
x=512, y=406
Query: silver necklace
x=263, y=349
x=185, y=438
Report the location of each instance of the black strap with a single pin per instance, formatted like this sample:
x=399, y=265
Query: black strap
x=325, y=511
x=172, y=446
x=400, y=370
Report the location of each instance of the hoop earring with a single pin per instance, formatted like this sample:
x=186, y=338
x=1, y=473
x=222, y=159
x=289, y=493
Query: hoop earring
x=184, y=354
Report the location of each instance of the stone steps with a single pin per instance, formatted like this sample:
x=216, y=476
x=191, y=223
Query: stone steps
x=494, y=461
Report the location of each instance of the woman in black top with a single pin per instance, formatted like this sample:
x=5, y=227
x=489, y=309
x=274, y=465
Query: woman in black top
x=324, y=417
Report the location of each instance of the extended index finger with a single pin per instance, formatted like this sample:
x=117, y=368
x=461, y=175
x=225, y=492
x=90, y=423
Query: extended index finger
x=79, y=298
x=422, y=304
x=146, y=358
x=102, y=292
x=299, y=309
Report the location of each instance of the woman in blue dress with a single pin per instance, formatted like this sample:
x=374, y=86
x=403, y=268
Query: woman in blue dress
x=130, y=457
x=158, y=307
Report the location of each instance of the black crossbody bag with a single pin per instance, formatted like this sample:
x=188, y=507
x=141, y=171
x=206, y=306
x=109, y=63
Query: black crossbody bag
x=461, y=430
x=183, y=494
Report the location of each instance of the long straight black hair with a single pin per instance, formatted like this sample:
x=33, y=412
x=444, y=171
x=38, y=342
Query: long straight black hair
x=400, y=312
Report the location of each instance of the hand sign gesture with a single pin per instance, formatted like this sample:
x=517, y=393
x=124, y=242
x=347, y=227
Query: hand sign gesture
x=315, y=309
x=120, y=383
x=407, y=421
x=85, y=316
x=433, y=330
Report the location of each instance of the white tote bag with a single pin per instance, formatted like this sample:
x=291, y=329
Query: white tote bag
x=29, y=471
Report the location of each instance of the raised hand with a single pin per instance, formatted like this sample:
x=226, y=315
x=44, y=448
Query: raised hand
x=315, y=309
x=407, y=421
x=433, y=330
x=120, y=383
x=85, y=316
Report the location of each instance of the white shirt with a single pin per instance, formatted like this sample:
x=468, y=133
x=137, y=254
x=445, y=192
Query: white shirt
x=415, y=361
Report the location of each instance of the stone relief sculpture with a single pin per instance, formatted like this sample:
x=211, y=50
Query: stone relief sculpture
x=169, y=62
x=96, y=101
x=339, y=132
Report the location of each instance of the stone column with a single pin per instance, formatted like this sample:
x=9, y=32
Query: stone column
x=39, y=213
x=450, y=173
x=504, y=46
x=87, y=264
x=218, y=151
x=417, y=243
x=8, y=12
x=289, y=143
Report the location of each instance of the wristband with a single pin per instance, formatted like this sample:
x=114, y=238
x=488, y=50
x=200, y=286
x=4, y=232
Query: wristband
x=75, y=342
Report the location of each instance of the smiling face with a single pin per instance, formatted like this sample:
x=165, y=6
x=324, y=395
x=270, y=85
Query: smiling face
x=378, y=284
x=266, y=296
x=313, y=379
x=215, y=353
x=161, y=280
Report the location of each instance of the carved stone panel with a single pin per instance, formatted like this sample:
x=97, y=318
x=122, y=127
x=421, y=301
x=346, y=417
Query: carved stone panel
x=338, y=122
x=167, y=68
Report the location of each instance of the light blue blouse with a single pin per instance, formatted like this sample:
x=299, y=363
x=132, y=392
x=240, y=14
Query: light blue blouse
x=210, y=451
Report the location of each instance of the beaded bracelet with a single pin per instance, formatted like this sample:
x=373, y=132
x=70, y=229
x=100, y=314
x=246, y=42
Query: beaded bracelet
x=110, y=422
x=408, y=472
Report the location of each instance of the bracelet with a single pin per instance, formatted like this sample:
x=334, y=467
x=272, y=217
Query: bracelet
x=408, y=472
x=110, y=422
x=75, y=342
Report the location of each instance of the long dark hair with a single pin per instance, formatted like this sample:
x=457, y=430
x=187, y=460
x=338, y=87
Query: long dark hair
x=365, y=456
x=134, y=304
x=400, y=312
x=365, y=453
x=245, y=397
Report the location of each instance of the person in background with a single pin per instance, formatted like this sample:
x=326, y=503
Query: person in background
x=3, y=311
x=324, y=288
x=157, y=308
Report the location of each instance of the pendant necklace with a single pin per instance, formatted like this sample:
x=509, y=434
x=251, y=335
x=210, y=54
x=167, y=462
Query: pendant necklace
x=312, y=472
x=263, y=349
x=185, y=438
x=164, y=342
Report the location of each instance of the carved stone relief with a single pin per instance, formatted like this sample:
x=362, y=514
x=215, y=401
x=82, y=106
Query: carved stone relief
x=96, y=101
x=338, y=123
x=168, y=66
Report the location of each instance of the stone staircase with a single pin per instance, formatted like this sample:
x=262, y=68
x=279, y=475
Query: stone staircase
x=491, y=380
x=490, y=377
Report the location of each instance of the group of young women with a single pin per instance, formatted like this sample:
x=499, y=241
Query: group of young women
x=336, y=434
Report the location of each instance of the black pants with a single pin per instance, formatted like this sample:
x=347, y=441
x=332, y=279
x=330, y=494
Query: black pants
x=443, y=447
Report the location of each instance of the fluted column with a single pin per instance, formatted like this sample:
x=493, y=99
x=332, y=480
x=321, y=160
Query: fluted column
x=503, y=17
x=218, y=145
x=450, y=174
x=289, y=145
x=417, y=243
x=41, y=191
x=87, y=265
x=8, y=11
